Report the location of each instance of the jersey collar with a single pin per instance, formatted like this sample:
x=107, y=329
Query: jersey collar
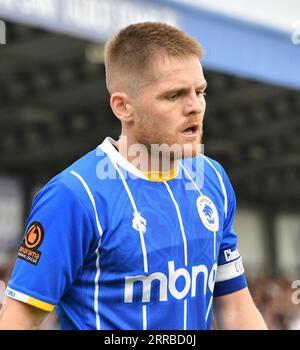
x=107, y=146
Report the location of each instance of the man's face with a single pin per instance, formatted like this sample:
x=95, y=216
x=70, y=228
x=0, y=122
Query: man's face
x=169, y=108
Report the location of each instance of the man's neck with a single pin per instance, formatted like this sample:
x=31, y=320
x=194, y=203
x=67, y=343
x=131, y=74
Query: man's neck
x=155, y=167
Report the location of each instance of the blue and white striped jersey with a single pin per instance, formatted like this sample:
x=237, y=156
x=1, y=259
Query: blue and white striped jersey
x=111, y=249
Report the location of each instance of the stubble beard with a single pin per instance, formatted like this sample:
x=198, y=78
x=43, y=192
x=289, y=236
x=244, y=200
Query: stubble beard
x=167, y=148
x=151, y=137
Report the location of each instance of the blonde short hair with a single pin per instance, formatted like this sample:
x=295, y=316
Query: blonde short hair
x=129, y=55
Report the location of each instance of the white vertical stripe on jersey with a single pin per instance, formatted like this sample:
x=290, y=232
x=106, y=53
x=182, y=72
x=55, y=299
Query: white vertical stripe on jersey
x=136, y=211
x=187, y=173
x=215, y=257
x=96, y=280
x=222, y=185
x=215, y=234
x=180, y=223
x=144, y=317
x=145, y=259
x=215, y=246
x=208, y=309
x=184, y=247
x=185, y=315
x=225, y=212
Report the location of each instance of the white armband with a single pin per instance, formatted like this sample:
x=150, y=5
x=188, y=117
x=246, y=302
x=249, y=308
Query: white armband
x=229, y=271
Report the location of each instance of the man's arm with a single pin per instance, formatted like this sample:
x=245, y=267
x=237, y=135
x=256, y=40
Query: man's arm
x=16, y=315
x=237, y=311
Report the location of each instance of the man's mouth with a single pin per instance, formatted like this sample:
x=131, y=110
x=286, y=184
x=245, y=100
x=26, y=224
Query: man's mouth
x=191, y=131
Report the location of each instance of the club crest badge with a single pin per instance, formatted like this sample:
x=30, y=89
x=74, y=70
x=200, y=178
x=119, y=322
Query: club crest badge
x=208, y=213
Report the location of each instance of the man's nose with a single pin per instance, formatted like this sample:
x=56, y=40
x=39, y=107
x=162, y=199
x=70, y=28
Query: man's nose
x=195, y=104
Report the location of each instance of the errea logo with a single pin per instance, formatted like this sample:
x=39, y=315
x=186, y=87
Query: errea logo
x=167, y=284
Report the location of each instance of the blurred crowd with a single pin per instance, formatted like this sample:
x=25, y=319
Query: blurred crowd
x=273, y=297
x=276, y=300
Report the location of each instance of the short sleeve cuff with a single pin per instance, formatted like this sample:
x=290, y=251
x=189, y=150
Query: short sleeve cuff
x=14, y=294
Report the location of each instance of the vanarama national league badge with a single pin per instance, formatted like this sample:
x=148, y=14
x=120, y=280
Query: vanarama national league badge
x=32, y=241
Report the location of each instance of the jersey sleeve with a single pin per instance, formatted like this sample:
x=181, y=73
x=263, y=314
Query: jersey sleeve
x=230, y=273
x=56, y=240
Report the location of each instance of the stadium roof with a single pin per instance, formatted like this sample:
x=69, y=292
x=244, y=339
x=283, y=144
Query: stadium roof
x=234, y=43
x=279, y=15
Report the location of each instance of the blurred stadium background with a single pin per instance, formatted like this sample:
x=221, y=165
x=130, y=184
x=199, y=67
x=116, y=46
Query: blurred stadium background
x=54, y=108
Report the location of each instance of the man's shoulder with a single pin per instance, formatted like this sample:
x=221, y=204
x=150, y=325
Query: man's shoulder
x=211, y=171
x=207, y=164
x=78, y=178
x=83, y=167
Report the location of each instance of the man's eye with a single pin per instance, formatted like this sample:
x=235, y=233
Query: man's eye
x=173, y=97
x=202, y=92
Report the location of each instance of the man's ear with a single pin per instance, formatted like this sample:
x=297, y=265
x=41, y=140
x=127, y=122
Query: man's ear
x=121, y=106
